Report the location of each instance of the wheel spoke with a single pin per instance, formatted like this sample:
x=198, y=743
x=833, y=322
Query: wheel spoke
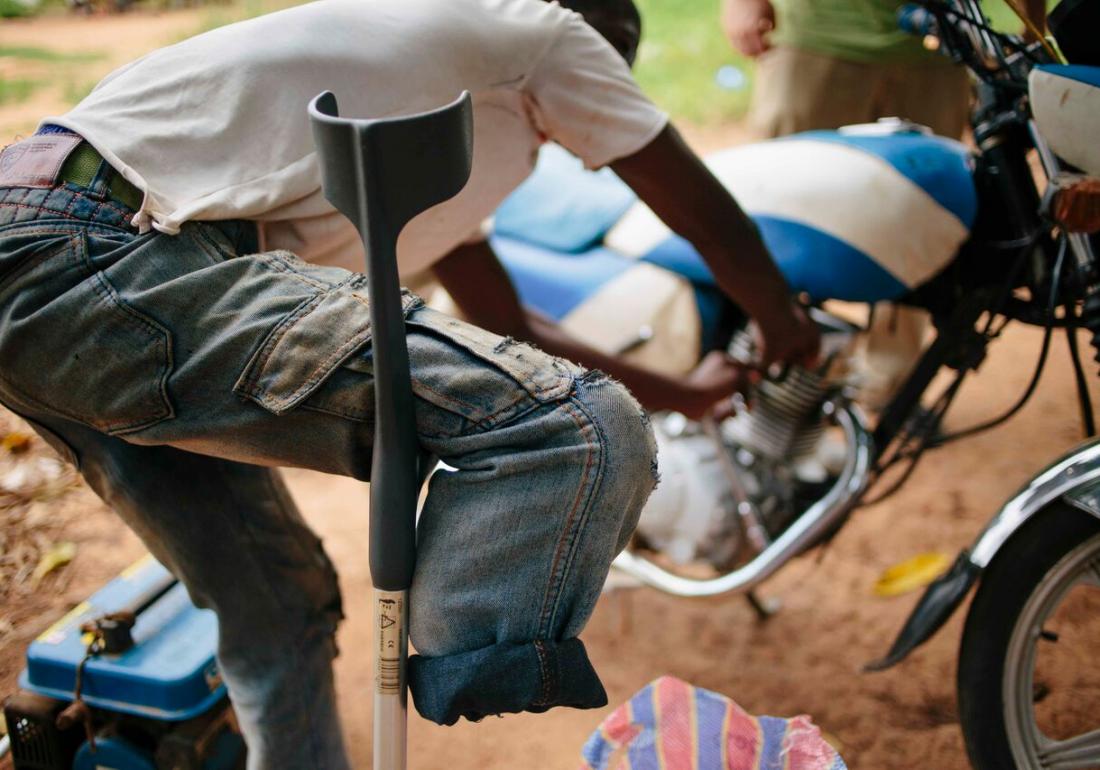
x=1080, y=751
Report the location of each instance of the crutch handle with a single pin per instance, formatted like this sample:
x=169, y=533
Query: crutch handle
x=380, y=174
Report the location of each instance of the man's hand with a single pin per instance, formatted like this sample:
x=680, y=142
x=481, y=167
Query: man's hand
x=711, y=385
x=480, y=286
x=789, y=337
x=747, y=24
x=682, y=191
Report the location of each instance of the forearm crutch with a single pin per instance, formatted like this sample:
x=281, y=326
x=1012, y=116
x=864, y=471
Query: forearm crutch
x=380, y=174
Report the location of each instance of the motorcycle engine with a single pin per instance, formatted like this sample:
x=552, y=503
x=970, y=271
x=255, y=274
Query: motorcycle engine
x=777, y=448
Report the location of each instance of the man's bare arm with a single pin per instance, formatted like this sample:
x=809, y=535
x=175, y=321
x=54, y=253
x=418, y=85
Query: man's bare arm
x=480, y=287
x=682, y=191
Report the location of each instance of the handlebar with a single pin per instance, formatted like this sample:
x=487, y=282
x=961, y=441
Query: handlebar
x=1000, y=59
x=917, y=20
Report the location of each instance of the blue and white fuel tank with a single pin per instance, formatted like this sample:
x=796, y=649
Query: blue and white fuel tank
x=865, y=213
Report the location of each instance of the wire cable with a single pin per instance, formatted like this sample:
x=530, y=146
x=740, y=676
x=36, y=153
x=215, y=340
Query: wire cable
x=1083, y=398
x=1056, y=278
x=928, y=425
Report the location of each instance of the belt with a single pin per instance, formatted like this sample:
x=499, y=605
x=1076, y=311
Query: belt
x=83, y=164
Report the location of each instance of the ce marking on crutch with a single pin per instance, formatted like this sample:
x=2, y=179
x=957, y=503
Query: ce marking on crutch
x=390, y=621
x=388, y=611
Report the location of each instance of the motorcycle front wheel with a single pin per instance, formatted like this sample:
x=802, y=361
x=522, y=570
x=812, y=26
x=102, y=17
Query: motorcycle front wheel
x=1029, y=673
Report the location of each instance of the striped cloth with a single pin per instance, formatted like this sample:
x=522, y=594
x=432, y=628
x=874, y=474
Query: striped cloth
x=671, y=725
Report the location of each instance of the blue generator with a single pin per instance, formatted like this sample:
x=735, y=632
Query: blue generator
x=127, y=681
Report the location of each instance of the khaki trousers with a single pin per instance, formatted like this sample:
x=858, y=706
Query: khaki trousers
x=798, y=90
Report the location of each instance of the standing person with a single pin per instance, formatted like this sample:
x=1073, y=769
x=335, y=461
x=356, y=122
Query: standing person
x=823, y=64
x=180, y=311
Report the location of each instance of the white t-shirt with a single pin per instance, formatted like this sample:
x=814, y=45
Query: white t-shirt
x=216, y=127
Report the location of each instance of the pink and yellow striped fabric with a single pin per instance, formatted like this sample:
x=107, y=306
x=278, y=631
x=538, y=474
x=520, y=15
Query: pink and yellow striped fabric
x=671, y=725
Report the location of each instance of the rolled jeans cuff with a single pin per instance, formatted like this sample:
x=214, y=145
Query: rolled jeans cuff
x=504, y=678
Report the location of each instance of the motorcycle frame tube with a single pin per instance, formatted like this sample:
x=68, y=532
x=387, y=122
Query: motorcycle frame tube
x=391, y=654
x=947, y=342
x=1014, y=201
x=799, y=536
x=1069, y=474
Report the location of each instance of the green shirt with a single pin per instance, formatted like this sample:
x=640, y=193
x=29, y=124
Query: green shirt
x=859, y=30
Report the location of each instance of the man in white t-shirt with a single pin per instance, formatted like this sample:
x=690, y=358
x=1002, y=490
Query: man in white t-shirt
x=180, y=308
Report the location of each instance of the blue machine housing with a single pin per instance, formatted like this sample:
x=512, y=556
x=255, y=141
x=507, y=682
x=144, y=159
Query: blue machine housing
x=113, y=753
x=119, y=754
x=169, y=674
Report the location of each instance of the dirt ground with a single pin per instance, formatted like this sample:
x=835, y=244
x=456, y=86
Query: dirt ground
x=807, y=659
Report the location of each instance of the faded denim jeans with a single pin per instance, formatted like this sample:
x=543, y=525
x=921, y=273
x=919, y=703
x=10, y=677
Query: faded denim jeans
x=176, y=371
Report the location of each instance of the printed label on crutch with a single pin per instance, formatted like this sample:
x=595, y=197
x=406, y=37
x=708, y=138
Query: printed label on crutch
x=389, y=615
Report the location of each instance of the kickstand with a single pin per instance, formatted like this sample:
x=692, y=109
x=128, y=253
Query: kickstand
x=764, y=608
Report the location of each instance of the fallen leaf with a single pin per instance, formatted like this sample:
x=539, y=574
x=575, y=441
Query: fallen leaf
x=912, y=574
x=16, y=442
x=57, y=555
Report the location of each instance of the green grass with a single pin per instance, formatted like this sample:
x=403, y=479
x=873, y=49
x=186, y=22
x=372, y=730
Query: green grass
x=16, y=90
x=74, y=90
x=60, y=68
x=682, y=50
x=45, y=54
x=13, y=9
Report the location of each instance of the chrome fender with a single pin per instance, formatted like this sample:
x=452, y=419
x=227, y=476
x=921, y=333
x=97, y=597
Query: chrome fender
x=1072, y=477
x=1075, y=478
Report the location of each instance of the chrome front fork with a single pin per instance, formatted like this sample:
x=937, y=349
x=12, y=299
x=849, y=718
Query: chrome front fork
x=800, y=535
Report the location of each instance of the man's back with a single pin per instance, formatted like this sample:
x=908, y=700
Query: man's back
x=214, y=128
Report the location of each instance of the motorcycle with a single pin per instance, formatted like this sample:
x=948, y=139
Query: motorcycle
x=869, y=213
x=1037, y=562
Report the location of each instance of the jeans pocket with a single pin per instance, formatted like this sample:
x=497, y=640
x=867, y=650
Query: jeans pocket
x=541, y=375
x=319, y=357
x=307, y=346
x=83, y=352
x=483, y=377
x=23, y=247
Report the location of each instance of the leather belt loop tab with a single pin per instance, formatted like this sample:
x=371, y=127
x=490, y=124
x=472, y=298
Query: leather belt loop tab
x=37, y=161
